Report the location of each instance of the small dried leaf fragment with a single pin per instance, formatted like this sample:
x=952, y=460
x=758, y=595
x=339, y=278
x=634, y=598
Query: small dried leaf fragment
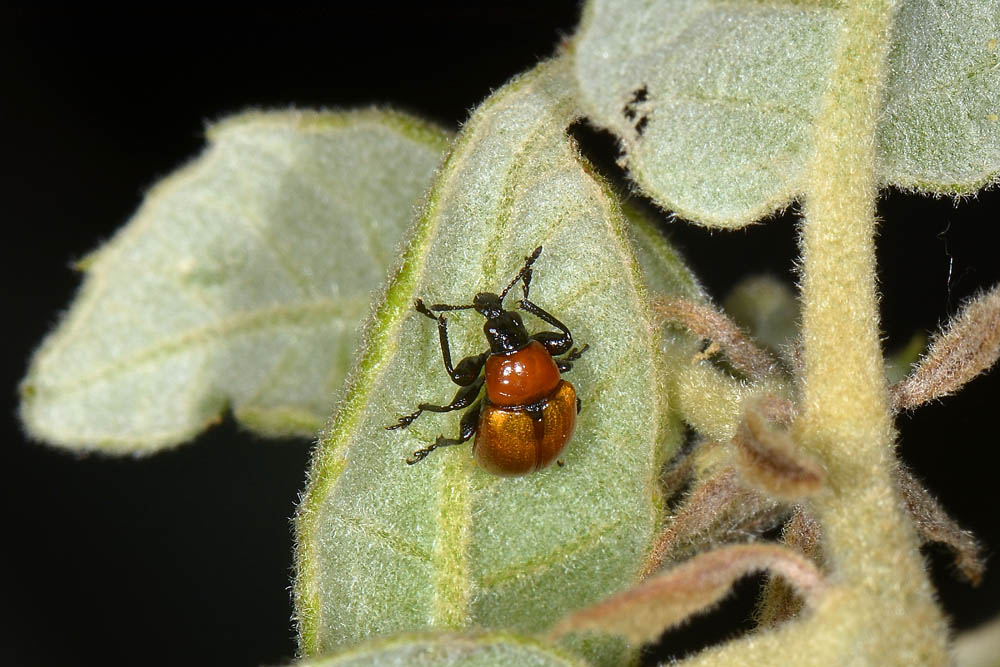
x=719, y=508
x=967, y=346
x=771, y=461
x=934, y=525
x=779, y=601
x=644, y=612
x=708, y=322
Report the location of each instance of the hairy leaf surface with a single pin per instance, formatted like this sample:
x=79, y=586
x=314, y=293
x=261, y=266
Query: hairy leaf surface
x=240, y=282
x=384, y=547
x=713, y=103
x=449, y=650
x=941, y=130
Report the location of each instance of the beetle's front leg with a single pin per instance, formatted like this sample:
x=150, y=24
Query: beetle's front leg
x=566, y=363
x=466, y=430
x=464, y=398
x=468, y=369
x=555, y=343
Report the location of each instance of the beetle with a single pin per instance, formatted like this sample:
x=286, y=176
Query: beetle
x=528, y=412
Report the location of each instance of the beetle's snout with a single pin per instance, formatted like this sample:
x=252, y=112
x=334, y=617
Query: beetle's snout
x=487, y=304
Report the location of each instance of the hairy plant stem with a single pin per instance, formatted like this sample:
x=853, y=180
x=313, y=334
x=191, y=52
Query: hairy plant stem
x=869, y=545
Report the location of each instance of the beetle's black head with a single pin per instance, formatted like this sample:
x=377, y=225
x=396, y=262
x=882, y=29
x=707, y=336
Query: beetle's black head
x=488, y=305
x=504, y=329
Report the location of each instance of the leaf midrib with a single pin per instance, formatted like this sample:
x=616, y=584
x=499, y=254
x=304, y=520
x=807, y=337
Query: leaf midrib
x=312, y=313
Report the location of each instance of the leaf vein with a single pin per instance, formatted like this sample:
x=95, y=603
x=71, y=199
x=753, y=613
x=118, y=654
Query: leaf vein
x=314, y=313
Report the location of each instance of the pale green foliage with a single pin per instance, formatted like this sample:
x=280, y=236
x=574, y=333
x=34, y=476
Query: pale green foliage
x=767, y=308
x=979, y=647
x=730, y=92
x=449, y=650
x=941, y=131
x=661, y=265
x=242, y=278
x=384, y=547
x=240, y=282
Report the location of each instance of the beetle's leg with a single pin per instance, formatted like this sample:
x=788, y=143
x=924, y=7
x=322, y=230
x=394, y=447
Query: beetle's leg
x=555, y=343
x=464, y=398
x=523, y=274
x=419, y=306
x=468, y=369
x=566, y=363
x=466, y=430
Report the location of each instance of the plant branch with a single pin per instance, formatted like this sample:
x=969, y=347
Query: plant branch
x=844, y=416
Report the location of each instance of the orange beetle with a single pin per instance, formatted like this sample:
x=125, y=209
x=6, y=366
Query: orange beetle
x=529, y=412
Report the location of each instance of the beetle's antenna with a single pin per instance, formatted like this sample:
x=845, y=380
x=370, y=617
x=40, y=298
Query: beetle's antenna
x=418, y=304
x=525, y=271
x=443, y=306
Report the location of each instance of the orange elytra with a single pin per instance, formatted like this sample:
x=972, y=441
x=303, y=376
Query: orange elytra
x=528, y=412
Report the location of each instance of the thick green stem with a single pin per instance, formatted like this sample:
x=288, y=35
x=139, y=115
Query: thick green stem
x=869, y=545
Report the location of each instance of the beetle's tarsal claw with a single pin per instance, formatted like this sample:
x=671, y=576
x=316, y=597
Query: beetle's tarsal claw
x=403, y=422
x=421, y=307
x=418, y=456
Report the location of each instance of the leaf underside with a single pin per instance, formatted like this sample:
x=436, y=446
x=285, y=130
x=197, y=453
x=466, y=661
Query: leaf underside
x=713, y=103
x=716, y=105
x=240, y=282
x=941, y=130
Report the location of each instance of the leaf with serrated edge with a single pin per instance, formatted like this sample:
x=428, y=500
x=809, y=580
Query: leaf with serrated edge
x=384, y=547
x=941, y=128
x=713, y=103
x=486, y=649
x=240, y=281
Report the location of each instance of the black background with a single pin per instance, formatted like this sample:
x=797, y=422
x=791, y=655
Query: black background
x=184, y=557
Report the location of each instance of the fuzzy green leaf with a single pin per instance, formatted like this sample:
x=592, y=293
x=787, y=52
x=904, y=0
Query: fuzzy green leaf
x=384, y=547
x=713, y=103
x=941, y=130
x=449, y=650
x=240, y=282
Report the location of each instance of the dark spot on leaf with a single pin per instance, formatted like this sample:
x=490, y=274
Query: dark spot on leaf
x=640, y=95
x=641, y=125
x=632, y=110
